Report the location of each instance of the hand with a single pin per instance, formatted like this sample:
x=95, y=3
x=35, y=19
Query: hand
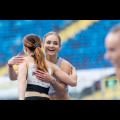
x=16, y=60
x=45, y=76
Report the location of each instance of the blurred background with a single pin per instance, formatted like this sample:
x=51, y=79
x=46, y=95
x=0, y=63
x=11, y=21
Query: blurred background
x=82, y=45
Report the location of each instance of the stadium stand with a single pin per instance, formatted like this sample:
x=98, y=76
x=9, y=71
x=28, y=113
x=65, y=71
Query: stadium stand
x=85, y=50
x=13, y=31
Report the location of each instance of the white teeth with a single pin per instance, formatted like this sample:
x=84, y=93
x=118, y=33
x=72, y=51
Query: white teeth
x=51, y=49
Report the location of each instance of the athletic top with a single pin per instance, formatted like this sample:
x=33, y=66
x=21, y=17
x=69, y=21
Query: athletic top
x=51, y=90
x=34, y=84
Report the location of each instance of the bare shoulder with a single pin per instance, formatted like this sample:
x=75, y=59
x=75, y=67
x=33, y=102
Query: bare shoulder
x=27, y=59
x=65, y=66
x=65, y=62
x=25, y=62
x=49, y=64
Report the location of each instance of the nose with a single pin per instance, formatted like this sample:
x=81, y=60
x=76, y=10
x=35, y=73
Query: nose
x=107, y=55
x=51, y=45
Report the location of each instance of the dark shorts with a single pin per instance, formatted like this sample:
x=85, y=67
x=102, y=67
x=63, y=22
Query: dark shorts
x=36, y=98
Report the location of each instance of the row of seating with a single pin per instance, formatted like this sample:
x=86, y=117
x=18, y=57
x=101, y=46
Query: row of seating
x=86, y=49
x=13, y=31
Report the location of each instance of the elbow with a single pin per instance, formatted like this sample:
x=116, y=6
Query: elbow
x=13, y=79
x=73, y=84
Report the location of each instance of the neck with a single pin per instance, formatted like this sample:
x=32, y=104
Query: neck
x=30, y=54
x=52, y=59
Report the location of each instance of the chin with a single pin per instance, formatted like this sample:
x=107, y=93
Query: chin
x=51, y=54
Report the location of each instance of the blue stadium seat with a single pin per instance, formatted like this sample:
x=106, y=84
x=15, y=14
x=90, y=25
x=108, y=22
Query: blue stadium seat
x=88, y=46
x=13, y=31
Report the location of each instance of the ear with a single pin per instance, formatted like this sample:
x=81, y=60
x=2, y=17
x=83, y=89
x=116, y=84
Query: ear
x=25, y=48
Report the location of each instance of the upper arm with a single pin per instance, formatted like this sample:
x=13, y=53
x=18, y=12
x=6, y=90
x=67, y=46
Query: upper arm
x=65, y=67
x=62, y=76
x=70, y=70
x=22, y=71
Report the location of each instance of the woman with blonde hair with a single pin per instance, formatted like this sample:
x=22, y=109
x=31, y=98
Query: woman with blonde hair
x=59, y=90
x=29, y=86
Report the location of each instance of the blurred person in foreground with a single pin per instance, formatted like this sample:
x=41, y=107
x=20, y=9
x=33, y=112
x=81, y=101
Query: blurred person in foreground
x=112, y=44
x=110, y=82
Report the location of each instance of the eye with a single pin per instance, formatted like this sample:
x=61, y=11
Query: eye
x=56, y=43
x=112, y=49
x=48, y=42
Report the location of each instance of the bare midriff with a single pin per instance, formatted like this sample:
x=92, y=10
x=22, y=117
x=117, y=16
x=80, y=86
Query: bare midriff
x=32, y=94
x=66, y=96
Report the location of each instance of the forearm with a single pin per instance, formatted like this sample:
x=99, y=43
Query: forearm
x=63, y=74
x=71, y=82
x=11, y=73
x=22, y=89
x=73, y=75
x=58, y=87
x=74, y=79
x=65, y=78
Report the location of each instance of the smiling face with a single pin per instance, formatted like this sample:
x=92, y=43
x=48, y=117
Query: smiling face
x=51, y=45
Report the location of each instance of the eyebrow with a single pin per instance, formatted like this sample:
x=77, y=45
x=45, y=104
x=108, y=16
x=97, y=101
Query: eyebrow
x=50, y=41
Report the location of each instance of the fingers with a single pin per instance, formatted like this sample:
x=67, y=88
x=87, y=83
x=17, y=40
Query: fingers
x=17, y=61
x=40, y=76
x=45, y=70
x=19, y=54
x=39, y=71
x=19, y=57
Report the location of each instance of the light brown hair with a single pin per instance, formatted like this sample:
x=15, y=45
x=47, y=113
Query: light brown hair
x=115, y=29
x=29, y=41
x=52, y=33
